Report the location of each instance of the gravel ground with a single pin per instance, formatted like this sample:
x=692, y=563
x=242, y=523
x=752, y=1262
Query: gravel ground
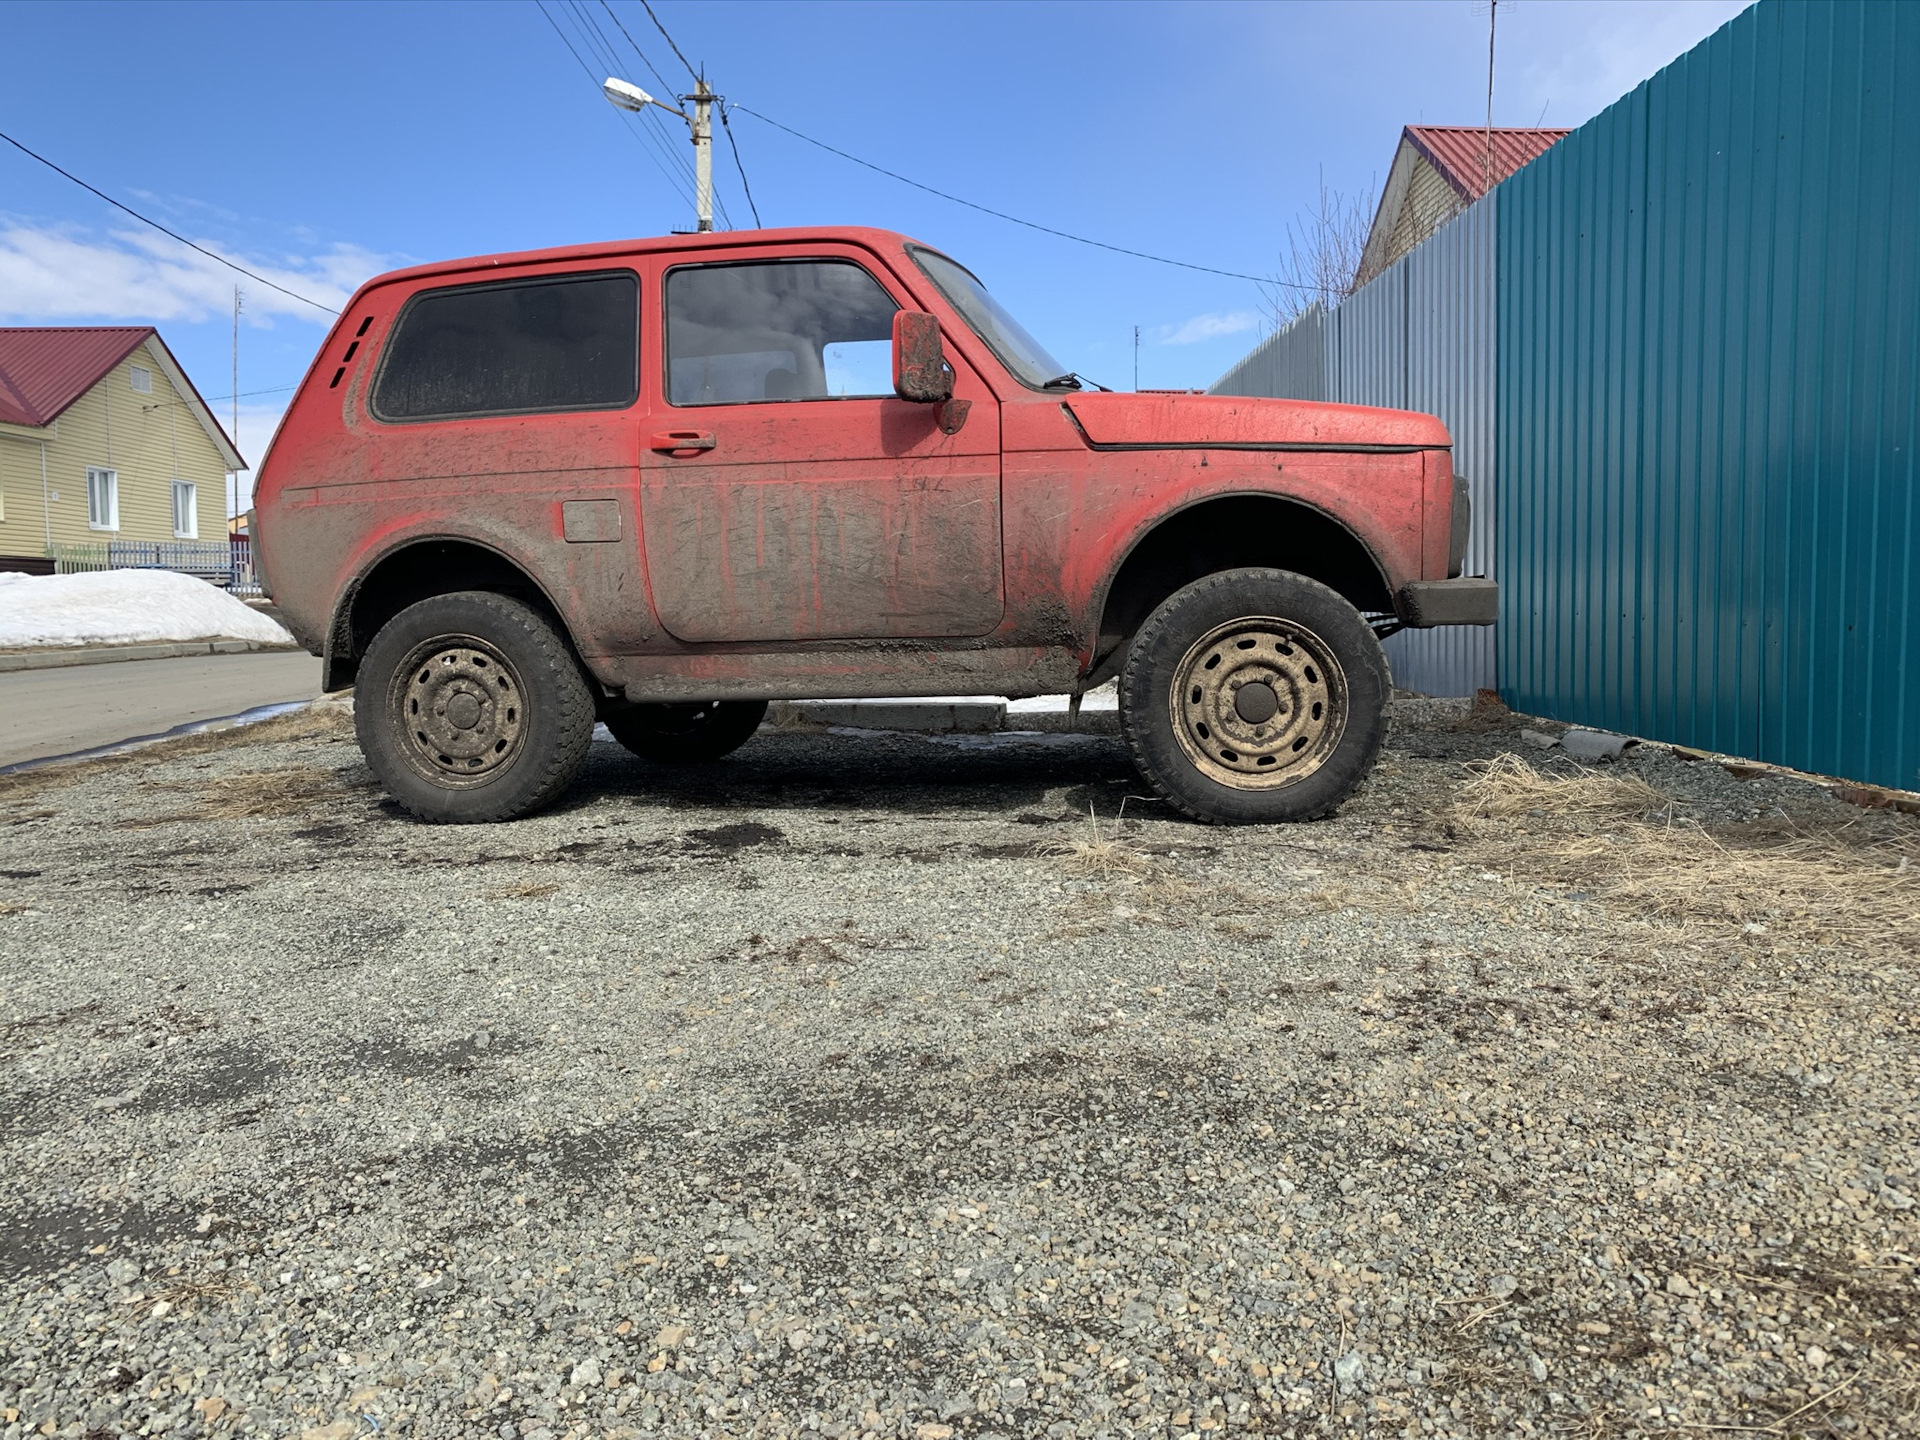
x=861, y=1085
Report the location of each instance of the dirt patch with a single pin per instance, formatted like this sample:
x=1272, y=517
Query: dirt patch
x=732, y=839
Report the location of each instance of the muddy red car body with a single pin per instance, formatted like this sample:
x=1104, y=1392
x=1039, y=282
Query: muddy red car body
x=730, y=527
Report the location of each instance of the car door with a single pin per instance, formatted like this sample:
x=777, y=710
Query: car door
x=509, y=411
x=786, y=494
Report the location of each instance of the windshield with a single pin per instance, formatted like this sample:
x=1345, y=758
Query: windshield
x=1025, y=356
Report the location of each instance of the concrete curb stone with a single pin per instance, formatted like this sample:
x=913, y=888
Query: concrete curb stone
x=54, y=656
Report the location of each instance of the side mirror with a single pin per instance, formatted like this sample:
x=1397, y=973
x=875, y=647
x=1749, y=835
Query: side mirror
x=920, y=369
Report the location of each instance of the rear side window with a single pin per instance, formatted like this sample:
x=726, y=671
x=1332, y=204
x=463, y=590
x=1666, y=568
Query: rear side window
x=514, y=348
x=779, y=330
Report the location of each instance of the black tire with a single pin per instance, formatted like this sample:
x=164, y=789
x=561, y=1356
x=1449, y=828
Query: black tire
x=688, y=734
x=471, y=707
x=1254, y=696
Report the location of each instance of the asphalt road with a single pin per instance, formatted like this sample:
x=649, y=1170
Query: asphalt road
x=80, y=707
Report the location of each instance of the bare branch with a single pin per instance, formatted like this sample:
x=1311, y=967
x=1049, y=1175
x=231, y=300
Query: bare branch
x=1322, y=255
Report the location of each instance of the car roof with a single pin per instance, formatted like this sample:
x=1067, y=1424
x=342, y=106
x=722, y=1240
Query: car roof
x=865, y=236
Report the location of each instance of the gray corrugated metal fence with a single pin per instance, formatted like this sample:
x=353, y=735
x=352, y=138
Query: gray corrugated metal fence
x=1367, y=343
x=1290, y=363
x=1450, y=368
x=1419, y=336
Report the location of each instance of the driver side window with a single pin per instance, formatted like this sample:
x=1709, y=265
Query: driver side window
x=777, y=330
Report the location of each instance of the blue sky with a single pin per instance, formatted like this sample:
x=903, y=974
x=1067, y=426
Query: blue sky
x=322, y=143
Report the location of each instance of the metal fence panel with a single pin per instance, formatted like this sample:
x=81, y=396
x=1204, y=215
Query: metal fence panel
x=78, y=558
x=1367, y=343
x=193, y=557
x=221, y=561
x=1709, y=401
x=1449, y=347
x=1289, y=364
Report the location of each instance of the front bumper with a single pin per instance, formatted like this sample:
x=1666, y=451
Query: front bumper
x=1427, y=603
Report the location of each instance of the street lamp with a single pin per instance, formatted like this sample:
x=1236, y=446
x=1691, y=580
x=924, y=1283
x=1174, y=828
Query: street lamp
x=624, y=95
x=628, y=97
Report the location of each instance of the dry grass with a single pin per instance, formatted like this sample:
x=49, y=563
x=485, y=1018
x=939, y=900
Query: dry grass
x=188, y=1293
x=1507, y=786
x=1597, y=832
x=250, y=795
x=267, y=794
x=531, y=890
x=1813, y=885
x=313, y=722
x=1100, y=852
x=1142, y=888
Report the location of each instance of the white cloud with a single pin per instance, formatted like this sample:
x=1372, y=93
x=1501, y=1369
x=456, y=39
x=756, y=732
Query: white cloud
x=66, y=274
x=1209, y=327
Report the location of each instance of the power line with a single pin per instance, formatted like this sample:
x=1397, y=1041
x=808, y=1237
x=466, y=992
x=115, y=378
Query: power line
x=665, y=84
x=676, y=181
x=718, y=198
x=1015, y=219
x=734, y=146
x=651, y=128
x=659, y=133
x=648, y=7
x=172, y=235
x=214, y=399
x=656, y=130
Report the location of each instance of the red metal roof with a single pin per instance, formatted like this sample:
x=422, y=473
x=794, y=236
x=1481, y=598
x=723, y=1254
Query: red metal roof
x=1459, y=153
x=44, y=369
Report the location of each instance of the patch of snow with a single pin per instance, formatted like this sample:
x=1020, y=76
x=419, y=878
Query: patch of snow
x=125, y=607
x=1094, y=702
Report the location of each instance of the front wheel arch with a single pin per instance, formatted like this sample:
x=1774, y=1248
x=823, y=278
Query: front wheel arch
x=1233, y=532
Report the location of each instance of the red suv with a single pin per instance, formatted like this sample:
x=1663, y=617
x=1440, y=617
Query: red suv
x=658, y=483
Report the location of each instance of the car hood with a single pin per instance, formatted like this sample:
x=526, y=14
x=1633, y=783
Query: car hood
x=1137, y=422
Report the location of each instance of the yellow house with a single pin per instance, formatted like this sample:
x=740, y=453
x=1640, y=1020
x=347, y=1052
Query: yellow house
x=103, y=438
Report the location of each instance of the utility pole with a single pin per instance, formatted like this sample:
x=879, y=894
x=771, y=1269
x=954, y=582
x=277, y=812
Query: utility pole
x=1493, y=15
x=233, y=504
x=1136, y=358
x=702, y=127
x=625, y=95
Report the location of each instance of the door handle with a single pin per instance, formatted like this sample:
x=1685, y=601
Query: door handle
x=676, y=440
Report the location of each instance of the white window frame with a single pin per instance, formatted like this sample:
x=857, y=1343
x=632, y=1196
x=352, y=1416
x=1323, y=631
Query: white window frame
x=186, y=504
x=141, y=379
x=103, y=494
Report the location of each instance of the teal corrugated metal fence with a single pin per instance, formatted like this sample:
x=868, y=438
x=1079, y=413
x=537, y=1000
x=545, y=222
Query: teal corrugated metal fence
x=1709, y=401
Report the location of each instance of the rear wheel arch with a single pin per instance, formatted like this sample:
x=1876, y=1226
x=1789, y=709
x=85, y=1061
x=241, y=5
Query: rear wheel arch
x=1233, y=532
x=418, y=570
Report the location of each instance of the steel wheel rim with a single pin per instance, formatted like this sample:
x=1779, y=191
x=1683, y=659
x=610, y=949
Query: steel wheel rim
x=459, y=711
x=1221, y=715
